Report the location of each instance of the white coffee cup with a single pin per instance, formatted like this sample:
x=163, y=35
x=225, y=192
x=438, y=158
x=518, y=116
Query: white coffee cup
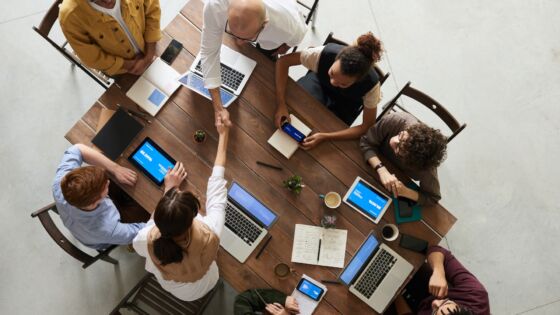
x=332, y=200
x=390, y=232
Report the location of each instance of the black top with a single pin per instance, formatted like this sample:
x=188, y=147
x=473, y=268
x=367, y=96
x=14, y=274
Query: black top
x=348, y=101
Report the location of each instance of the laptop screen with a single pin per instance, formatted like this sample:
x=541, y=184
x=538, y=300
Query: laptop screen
x=252, y=205
x=359, y=259
x=365, y=198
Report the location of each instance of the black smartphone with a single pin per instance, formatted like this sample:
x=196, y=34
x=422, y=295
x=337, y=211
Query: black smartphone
x=171, y=52
x=413, y=243
x=405, y=207
x=292, y=131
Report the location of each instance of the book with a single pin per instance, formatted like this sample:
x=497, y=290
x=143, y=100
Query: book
x=116, y=134
x=285, y=144
x=156, y=85
x=315, y=245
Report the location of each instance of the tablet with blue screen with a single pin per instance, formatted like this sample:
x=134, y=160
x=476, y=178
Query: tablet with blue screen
x=367, y=200
x=152, y=160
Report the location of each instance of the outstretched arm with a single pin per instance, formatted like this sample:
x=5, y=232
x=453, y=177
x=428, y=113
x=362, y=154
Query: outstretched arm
x=281, y=76
x=122, y=174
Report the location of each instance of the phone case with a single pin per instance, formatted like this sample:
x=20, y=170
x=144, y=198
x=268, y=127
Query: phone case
x=413, y=243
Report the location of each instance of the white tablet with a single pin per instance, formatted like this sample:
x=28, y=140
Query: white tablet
x=368, y=200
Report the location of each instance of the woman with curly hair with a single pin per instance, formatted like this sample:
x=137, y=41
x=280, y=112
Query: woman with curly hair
x=340, y=77
x=413, y=147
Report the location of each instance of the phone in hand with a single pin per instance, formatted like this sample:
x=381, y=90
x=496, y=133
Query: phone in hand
x=413, y=243
x=292, y=131
x=171, y=52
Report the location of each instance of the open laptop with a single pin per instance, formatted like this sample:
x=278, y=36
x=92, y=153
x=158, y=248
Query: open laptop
x=235, y=72
x=247, y=222
x=375, y=273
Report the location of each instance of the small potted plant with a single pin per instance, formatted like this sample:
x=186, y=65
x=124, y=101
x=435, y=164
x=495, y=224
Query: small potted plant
x=294, y=184
x=199, y=136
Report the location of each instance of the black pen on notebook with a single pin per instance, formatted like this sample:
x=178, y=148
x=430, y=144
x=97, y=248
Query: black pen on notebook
x=270, y=165
x=135, y=114
x=262, y=248
x=319, y=251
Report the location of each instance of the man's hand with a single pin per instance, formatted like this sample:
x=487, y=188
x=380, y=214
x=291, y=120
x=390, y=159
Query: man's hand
x=222, y=117
x=282, y=49
x=388, y=180
x=174, y=177
x=281, y=113
x=438, y=284
x=221, y=127
x=292, y=305
x=141, y=65
x=312, y=141
x=276, y=309
x=124, y=175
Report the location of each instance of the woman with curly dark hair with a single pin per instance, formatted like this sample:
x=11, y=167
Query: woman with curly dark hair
x=413, y=147
x=340, y=77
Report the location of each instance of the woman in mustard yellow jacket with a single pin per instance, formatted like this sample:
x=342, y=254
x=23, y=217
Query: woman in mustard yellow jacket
x=114, y=36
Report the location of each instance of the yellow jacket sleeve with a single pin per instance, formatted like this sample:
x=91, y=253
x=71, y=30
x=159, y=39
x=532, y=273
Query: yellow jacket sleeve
x=152, y=10
x=89, y=53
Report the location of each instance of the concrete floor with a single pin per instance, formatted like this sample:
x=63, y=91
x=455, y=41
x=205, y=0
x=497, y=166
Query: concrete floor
x=493, y=64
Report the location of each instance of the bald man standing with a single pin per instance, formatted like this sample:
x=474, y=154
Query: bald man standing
x=274, y=25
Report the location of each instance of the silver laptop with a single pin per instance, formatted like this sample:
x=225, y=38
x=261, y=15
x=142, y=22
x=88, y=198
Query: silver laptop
x=375, y=273
x=235, y=72
x=247, y=222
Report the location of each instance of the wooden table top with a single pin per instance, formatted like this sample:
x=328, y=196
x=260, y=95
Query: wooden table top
x=332, y=166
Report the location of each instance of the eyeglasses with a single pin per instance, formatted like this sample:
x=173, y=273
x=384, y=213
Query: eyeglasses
x=446, y=301
x=252, y=41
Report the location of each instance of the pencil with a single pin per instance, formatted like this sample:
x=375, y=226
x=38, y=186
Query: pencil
x=330, y=281
x=269, y=165
x=262, y=248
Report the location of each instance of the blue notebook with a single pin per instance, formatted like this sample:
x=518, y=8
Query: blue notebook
x=416, y=208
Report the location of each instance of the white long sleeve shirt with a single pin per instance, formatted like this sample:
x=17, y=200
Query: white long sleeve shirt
x=216, y=200
x=286, y=25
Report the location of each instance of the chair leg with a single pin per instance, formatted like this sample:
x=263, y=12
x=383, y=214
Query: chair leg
x=314, y=17
x=110, y=259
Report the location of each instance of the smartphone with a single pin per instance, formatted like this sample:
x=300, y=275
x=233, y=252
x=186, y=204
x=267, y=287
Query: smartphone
x=292, y=131
x=405, y=207
x=310, y=289
x=171, y=52
x=413, y=243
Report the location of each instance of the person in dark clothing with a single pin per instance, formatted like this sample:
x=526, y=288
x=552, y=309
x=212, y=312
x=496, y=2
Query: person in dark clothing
x=340, y=77
x=256, y=301
x=443, y=286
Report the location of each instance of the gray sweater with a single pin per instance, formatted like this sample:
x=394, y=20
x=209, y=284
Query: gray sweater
x=376, y=142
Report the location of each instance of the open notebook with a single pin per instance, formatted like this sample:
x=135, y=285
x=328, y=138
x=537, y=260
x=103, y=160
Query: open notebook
x=315, y=245
x=286, y=144
x=152, y=90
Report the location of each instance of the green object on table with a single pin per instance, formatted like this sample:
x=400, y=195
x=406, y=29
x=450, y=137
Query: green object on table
x=416, y=209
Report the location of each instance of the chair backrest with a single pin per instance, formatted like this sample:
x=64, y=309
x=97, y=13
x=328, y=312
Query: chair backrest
x=44, y=29
x=310, y=16
x=429, y=103
x=331, y=39
x=63, y=242
x=148, y=297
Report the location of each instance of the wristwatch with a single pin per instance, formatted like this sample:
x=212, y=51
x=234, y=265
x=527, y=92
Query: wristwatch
x=378, y=166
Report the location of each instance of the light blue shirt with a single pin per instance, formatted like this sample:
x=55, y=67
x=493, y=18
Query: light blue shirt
x=98, y=228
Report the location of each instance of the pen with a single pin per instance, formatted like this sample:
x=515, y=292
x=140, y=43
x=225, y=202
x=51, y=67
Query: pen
x=133, y=113
x=319, y=252
x=262, y=248
x=260, y=297
x=330, y=281
x=269, y=165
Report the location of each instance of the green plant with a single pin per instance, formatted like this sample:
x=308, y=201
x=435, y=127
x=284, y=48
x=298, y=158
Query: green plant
x=199, y=136
x=294, y=184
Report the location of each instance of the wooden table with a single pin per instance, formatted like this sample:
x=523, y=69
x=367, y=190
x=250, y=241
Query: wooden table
x=332, y=166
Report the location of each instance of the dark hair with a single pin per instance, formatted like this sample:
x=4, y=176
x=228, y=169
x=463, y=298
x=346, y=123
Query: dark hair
x=173, y=216
x=424, y=147
x=83, y=186
x=356, y=61
x=460, y=310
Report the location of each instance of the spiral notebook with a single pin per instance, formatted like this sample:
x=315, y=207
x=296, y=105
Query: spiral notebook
x=315, y=245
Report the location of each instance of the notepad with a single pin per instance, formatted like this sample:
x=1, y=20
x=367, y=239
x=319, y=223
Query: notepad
x=286, y=144
x=156, y=85
x=306, y=248
x=116, y=134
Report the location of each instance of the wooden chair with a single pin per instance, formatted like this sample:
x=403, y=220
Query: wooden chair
x=45, y=28
x=148, y=297
x=429, y=103
x=65, y=244
x=382, y=76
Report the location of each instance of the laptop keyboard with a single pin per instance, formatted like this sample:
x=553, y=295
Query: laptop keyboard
x=230, y=77
x=240, y=225
x=375, y=273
